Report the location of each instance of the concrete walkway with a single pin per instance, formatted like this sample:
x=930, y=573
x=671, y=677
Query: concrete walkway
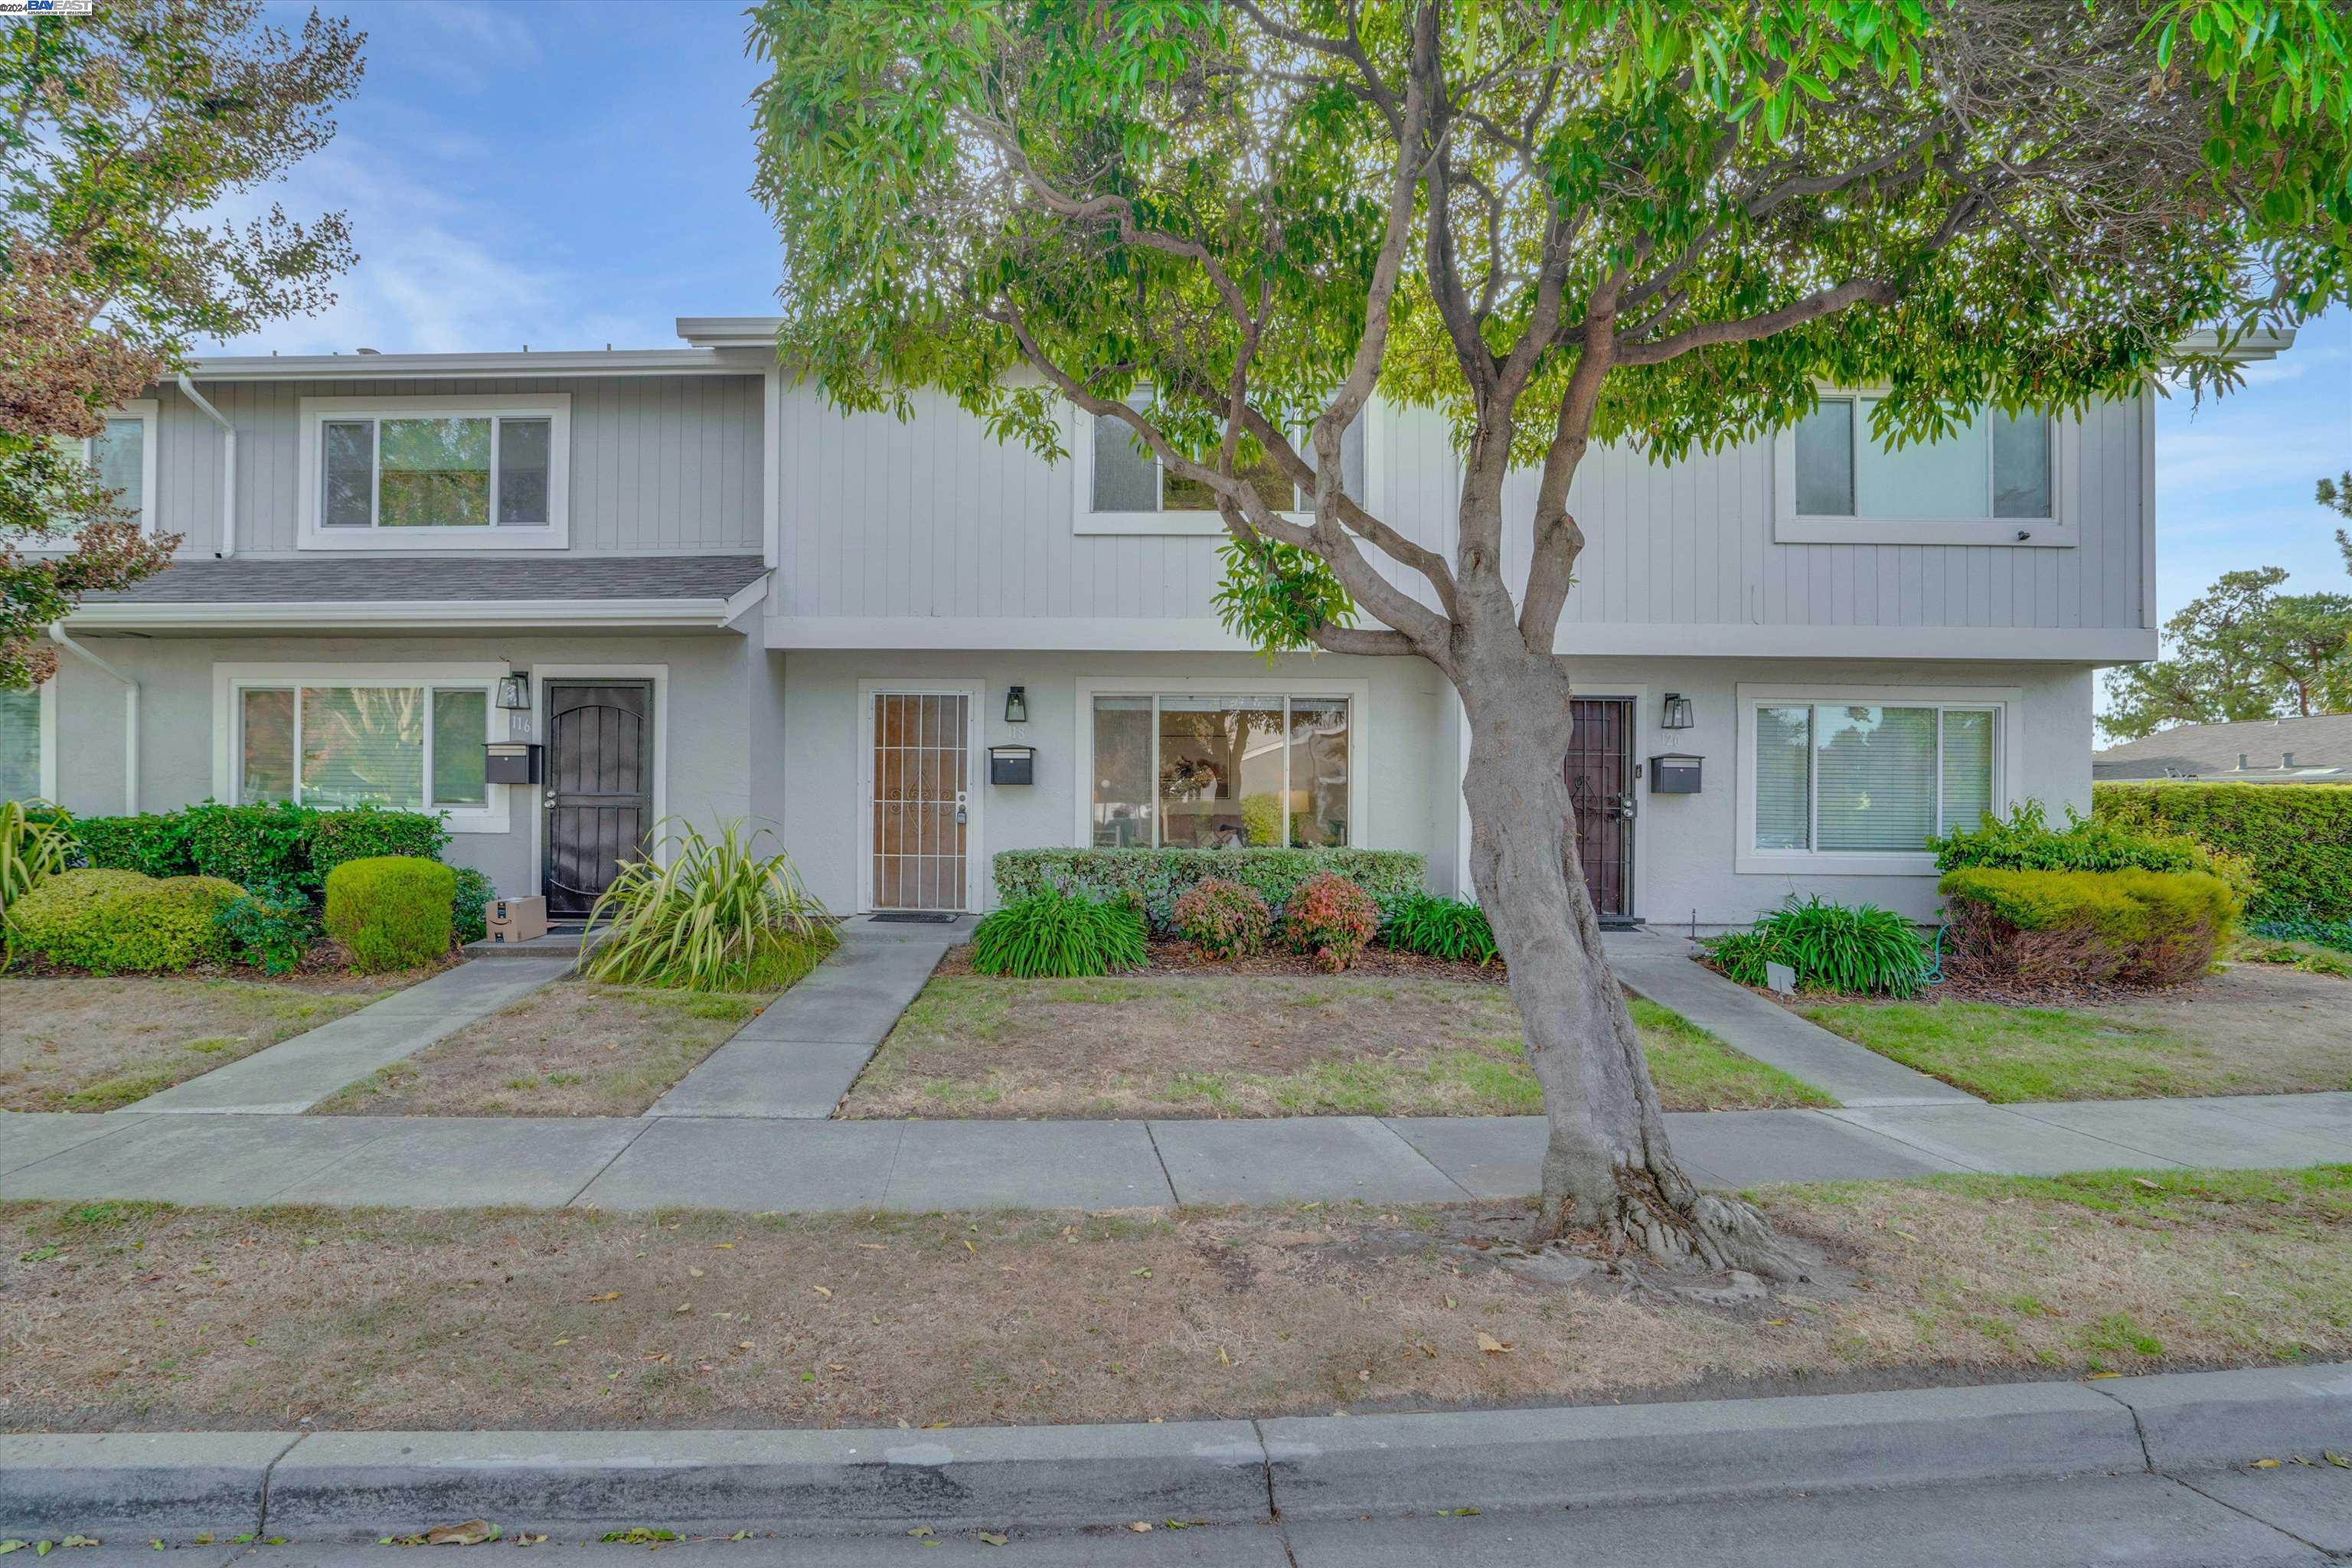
x=291, y=1076
x=1659, y=966
x=798, y=1057
x=757, y=1164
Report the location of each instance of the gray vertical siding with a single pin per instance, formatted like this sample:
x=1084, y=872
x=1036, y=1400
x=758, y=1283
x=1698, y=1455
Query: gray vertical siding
x=931, y=518
x=659, y=463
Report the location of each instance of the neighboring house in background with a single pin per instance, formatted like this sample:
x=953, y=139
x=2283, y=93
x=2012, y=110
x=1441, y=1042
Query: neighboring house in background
x=2257, y=750
x=706, y=594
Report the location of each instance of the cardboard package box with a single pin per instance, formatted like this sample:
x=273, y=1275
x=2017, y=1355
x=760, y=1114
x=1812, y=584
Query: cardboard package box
x=516, y=919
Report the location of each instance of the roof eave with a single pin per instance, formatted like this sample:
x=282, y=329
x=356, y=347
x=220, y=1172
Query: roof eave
x=417, y=615
x=692, y=361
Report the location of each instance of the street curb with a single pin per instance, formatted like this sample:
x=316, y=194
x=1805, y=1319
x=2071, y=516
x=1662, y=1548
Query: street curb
x=369, y=1484
x=154, y=1482
x=361, y=1485
x=2208, y=1418
x=1338, y=1466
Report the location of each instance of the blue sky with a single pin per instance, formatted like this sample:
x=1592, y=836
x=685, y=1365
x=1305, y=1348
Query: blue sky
x=571, y=172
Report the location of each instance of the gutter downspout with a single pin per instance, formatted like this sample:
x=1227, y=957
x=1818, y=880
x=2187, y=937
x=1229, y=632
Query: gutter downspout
x=229, y=466
x=129, y=716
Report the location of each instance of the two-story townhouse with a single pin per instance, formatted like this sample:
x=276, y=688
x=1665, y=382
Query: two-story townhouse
x=703, y=591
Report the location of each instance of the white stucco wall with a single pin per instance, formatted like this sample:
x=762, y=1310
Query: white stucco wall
x=1685, y=845
x=716, y=703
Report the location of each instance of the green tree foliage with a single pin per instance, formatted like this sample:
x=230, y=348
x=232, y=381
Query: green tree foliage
x=121, y=133
x=2336, y=495
x=2240, y=651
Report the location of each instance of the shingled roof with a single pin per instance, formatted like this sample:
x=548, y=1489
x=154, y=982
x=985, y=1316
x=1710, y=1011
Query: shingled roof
x=347, y=579
x=2259, y=750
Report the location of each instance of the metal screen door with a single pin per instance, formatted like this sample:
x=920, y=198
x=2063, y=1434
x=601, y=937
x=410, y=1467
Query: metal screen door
x=921, y=794
x=1600, y=773
x=598, y=798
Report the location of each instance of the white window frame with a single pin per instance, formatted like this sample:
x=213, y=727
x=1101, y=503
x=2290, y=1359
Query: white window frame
x=2008, y=771
x=1085, y=520
x=231, y=681
x=553, y=534
x=1356, y=692
x=2056, y=532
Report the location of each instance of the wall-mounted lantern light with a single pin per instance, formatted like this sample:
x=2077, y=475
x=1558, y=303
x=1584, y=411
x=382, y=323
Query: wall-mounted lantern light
x=1016, y=705
x=514, y=692
x=1678, y=715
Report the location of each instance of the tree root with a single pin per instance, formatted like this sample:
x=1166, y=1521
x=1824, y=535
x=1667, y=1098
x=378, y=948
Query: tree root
x=1701, y=1230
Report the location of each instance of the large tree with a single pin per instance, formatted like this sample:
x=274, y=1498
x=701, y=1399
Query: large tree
x=1655, y=221
x=120, y=132
x=2240, y=650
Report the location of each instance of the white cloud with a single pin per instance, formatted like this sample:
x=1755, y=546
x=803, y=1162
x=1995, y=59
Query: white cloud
x=437, y=273
x=462, y=45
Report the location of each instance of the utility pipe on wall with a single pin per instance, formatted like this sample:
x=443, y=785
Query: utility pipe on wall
x=229, y=466
x=129, y=716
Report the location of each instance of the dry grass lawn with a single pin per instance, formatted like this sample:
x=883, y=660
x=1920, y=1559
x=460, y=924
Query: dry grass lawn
x=85, y=1042
x=1223, y=1044
x=2249, y=1029
x=572, y=1050
x=116, y=1315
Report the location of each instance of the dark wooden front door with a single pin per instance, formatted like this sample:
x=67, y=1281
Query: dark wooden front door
x=1600, y=773
x=599, y=791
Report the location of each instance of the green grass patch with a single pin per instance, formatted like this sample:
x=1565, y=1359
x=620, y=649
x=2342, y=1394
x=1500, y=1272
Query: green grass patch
x=2010, y=1055
x=1689, y=1065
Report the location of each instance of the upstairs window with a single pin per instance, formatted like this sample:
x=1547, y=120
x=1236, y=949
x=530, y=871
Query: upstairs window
x=1992, y=466
x=123, y=456
x=22, y=776
x=1123, y=488
x=439, y=473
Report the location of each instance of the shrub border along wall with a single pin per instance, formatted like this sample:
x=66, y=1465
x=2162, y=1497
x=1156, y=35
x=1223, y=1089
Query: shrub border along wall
x=1159, y=877
x=2297, y=837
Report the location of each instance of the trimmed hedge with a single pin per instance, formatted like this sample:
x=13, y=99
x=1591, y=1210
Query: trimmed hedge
x=2026, y=842
x=114, y=923
x=2143, y=928
x=2297, y=837
x=1159, y=877
x=393, y=912
x=281, y=845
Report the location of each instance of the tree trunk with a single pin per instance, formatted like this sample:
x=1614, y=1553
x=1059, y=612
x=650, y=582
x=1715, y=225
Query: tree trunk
x=1608, y=1167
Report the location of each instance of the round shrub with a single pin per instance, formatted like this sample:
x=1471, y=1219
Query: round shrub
x=1222, y=918
x=117, y=922
x=1058, y=934
x=392, y=911
x=1332, y=919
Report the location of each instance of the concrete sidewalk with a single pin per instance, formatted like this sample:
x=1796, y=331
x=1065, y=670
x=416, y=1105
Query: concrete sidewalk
x=293, y=1075
x=1658, y=966
x=756, y=1164
x=800, y=1056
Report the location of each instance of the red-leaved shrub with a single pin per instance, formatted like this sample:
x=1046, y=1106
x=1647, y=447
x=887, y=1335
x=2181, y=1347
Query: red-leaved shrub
x=1331, y=918
x=1222, y=918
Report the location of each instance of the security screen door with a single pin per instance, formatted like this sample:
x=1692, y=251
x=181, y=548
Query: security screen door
x=919, y=793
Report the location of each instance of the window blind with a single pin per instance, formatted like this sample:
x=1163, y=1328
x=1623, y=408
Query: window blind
x=1875, y=774
x=1784, y=746
x=1968, y=768
x=20, y=745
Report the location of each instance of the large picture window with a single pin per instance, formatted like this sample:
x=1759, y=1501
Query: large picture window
x=1222, y=771
x=412, y=746
x=1840, y=778
x=440, y=473
x=1123, y=488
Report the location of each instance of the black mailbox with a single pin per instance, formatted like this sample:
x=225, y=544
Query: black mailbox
x=1675, y=773
x=510, y=761
x=1013, y=765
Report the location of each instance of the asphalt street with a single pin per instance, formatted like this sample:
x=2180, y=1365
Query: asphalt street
x=2295, y=1514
